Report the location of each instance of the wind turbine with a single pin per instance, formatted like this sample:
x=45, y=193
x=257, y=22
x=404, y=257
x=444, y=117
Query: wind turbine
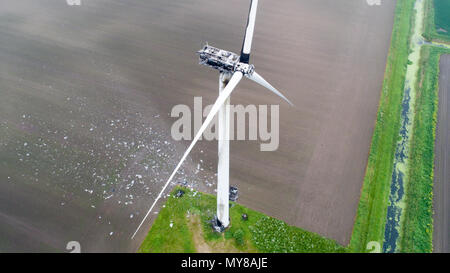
x=232, y=69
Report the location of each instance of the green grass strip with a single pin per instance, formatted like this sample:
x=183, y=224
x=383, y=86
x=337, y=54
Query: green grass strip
x=371, y=215
x=417, y=228
x=260, y=233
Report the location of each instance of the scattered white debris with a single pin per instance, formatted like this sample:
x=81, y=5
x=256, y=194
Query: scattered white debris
x=107, y=197
x=105, y=170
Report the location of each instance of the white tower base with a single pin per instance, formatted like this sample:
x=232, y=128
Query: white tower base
x=223, y=166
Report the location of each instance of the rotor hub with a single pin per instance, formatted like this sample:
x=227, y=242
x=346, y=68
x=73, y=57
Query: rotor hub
x=246, y=69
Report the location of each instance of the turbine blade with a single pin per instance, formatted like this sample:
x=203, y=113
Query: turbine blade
x=260, y=80
x=235, y=79
x=247, y=45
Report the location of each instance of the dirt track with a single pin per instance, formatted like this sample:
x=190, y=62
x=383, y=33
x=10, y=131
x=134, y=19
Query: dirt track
x=441, y=241
x=86, y=94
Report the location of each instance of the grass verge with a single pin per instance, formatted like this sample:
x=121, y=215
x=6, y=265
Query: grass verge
x=371, y=215
x=418, y=222
x=175, y=230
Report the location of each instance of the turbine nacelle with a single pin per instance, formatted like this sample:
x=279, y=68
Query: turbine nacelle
x=229, y=62
x=224, y=61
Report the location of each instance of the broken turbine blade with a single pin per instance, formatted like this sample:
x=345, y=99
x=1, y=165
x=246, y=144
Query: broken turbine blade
x=247, y=45
x=260, y=80
x=235, y=79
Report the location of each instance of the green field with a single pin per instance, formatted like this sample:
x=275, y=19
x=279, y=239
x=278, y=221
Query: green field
x=418, y=222
x=183, y=225
x=442, y=17
x=437, y=23
x=371, y=215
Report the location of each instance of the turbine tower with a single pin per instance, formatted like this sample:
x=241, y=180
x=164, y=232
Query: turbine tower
x=232, y=68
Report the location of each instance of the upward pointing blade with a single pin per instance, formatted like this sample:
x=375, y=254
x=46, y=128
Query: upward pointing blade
x=247, y=46
x=235, y=79
x=260, y=80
